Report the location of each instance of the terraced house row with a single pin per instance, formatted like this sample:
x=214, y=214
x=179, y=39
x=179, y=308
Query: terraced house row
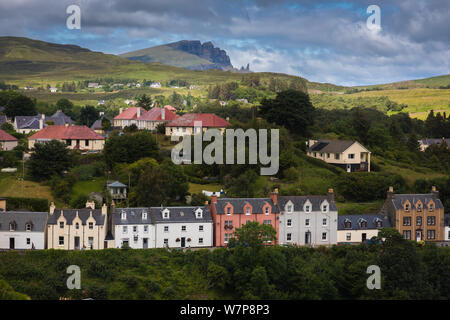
x=298, y=220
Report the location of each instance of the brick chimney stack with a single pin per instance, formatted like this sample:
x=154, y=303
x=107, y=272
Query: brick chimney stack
x=274, y=196
x=163, y=114
x=331, y=194
x=52, y=207
x=390, y=193
x=213, y=199
x=434, y=192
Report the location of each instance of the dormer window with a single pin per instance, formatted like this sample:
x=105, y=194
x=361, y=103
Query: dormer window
x=266, y=210
x=247, y=210
x=28, y=226
x=378, y=223
x=166, y=214
x=430, y=207
x=199, y=213
x=228, y=210
x=363, y=224
x=347, y=224
x=419, y=207
x=124, y=215
x=307, y=208
x=289, y=208
x=324, y=208
x=77, y=226
x=406, y=207
x=144, y=215
x=12, y=226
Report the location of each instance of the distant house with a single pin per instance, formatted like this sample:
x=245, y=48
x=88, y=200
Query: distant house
x=75, y=137
x=348, y=155
x=138, y=85
x=97, y=126
x=23, y=230
x=447, y=227
x=94, y=85
x=129, y=101
x=100, y=102
x=75, y=229
x=185, y=125
x=155, y=85
x=27, y=124
x=3, y=119
x=359, y=228
x=425, y=143
x=53, y=89
x=28, y=88
x=127, y=117
x=133, y=227
x=416, y=216
x=117, y=190
x=150, y=119
x=170, y=108
x=7, y=141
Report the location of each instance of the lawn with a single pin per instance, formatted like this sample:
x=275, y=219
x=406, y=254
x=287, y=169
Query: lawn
x=198, y=188
x=86, y=187
x=345, y=208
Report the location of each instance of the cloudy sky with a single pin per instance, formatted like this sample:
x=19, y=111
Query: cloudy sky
x=324, y=41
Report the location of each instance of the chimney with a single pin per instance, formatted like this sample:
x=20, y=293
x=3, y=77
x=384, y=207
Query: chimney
x=390, y=193
x=435, y=192
x=90, y=204
x=41, y=121
x=52, y=207
x=163, y=114
x=120, y=110
x=274, y=196
x=139, y=112
x=228, y=119
x=213, y=199
x=331, y=194
x=104, y=209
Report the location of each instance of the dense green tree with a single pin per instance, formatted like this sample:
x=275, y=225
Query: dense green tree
x=20, y=105
x=254, y=235
x=88, y=115
x=145, y=102
x=291, y=109
x=49, y=158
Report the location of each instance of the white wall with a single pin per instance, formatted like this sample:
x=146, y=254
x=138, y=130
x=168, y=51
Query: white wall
x=192, y=231
x=356, y=235
x=120, y=236
x=38, y=238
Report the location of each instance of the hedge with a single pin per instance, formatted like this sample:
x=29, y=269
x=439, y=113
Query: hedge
x=32, y=204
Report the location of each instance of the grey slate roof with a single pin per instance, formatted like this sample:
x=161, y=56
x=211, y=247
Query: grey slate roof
x=116, y=184
x=428, y=141
x=83, y=214
x=331, y=146
x=133, y=216
x=356, y=219
x=28, y=122
x=59, y=119
x=180, y=214
x=239, y=203
x=3, y=119
x=37, y=219
x=400, y=199
x=299, y=202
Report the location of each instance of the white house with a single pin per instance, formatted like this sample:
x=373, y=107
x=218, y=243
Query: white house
x=359, y=228
x=308, y=220
x=133, y=227
x=53, y=89
x=155, y=85
x=447, y=227
x=23, y=230
x=180, y=227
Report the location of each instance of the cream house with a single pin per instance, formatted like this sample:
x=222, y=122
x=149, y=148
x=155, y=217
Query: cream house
x=189, y=124
x=348, y=155
x=359, y=228
x=75, y=229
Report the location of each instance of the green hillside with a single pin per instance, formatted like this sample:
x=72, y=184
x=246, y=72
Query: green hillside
x=165, y=55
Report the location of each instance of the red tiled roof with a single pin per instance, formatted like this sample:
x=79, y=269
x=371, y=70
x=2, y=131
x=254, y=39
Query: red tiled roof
x=169, y=107
x=67, y=132
x=129, y=114
x=154, y=114
x=5, y=136
x=207, y=119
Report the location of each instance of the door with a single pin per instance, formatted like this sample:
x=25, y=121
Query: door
x=364, y=237
x=349, y=168
x=418, y=235
x=12, y=243
x=183, y=242
x=77, y=243
x=307, y=237
x=145, y=243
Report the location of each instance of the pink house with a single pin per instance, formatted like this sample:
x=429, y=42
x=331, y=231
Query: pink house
x=231, y=213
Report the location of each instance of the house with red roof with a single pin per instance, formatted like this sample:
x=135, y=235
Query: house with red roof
x=144, y=120
x=154, y=117
x=7, y=141
x=127, y=117
x=185, y=124
x=75, y=137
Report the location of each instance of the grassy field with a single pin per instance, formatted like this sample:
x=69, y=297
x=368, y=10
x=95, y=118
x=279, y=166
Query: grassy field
x=198, y=188
x=418, y=100
x=345, y=208
x=86, y=187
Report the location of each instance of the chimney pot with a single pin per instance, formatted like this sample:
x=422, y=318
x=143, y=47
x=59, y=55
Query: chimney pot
x=391, y=189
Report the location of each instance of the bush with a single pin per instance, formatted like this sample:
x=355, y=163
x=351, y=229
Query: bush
x=32, y=204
